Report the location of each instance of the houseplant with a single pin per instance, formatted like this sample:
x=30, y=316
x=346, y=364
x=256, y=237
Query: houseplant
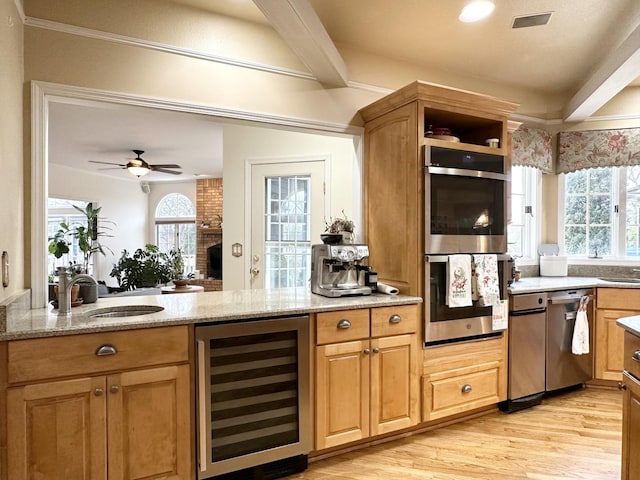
x=338, y=230
x=176, y=262
x=147, y=267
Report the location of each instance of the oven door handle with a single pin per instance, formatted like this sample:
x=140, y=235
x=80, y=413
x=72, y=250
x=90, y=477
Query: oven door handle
x=461, y=172
x=445, y=258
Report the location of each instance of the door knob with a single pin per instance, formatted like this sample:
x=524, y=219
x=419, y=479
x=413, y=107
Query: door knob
x=254, y=271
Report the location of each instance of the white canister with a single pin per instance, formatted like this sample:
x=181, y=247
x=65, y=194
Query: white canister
x=553, y=266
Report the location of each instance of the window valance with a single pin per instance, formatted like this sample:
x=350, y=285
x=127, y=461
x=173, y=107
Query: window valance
x=598, y=148
x=531, y=147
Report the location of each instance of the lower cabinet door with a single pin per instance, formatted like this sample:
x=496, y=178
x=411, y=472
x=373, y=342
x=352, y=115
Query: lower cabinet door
x=342, y=393
x=394, y=383
x=609, y=344
x=56, y=430
x=631, y=429
x=149, y=424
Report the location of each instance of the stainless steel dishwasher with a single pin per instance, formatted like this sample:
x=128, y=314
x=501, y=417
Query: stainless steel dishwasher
x=527, y=340
x=564, y=369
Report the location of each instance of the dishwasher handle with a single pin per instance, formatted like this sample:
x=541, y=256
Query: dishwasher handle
x=564, y=299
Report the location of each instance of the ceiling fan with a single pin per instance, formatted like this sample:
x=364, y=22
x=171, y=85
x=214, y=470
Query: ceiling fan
x=138, y=167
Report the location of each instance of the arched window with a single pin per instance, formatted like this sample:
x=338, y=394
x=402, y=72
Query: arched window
x=175, y=221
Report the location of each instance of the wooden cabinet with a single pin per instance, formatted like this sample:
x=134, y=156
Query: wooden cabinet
x=611, y=304
x=366, y=386
x=631, y=408
x=393, y=167
x=464, y=376
x=124, y=414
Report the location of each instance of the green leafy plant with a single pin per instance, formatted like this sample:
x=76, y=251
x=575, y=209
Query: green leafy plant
x=147, y=267
x=88, y=236
x=337, y=225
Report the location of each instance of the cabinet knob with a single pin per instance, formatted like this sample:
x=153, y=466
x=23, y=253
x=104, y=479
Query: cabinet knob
x=376, y=350
x=636, y=356
x=466, y=388
x=105, y=350
x=344, y=324
x=98, y=392
x=366, y=351
x=622, y=386
x=114, y=388
x=395, y=318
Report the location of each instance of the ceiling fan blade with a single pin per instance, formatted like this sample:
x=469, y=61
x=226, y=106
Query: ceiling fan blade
x=164, y=165
x=108, y=163
x=162, y=170
x=112, y=168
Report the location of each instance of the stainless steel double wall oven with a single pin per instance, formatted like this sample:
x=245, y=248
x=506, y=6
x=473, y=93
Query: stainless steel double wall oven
x=465, y=212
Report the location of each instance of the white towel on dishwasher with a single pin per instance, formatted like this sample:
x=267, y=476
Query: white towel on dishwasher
x=459, y=281
x=486, y=280
x=580, y=341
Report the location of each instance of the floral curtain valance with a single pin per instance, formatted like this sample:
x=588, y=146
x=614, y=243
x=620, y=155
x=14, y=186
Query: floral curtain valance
x=598, y=148
x=531, y=147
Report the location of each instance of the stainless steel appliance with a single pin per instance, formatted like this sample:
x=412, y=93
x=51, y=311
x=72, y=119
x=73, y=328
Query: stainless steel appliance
x=338, y=270
x=465, y=198
x=253, y=395
x=444, y=324
x=527, y=350
x=564, y=369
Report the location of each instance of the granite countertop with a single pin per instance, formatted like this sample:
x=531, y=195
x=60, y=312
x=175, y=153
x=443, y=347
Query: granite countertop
x=631, y=324
x=187, y=308
x=548, y=284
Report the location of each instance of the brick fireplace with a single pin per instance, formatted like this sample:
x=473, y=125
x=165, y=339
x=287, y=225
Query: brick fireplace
x=208, y=227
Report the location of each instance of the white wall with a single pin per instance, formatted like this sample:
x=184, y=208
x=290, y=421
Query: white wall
x=244, y=144
x=122, y=202
x=12, y=194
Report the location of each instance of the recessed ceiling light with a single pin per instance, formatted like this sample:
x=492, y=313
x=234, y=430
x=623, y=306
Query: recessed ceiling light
x=476, y=11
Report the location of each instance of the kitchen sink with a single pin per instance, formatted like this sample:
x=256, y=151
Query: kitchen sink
x=124, y=311
x=621, y=280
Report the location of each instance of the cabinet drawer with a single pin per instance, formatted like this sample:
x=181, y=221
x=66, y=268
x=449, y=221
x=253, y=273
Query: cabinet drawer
x=397, y=320
x=342, y=326
x=73, y=355
x=447, y=395
x=631, y=349
x=618, y=298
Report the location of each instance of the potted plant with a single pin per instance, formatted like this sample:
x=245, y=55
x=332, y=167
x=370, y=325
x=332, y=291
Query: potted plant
x=88, y=237
x=339, y=229
x=180, y=280
x=147, y=267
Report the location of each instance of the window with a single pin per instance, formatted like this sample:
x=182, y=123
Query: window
x=287, y=231
x=602, y=212
x=176, y=227
x=522, y=231
x=61, y=210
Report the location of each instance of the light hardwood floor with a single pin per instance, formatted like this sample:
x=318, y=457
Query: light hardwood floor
x=576, y=435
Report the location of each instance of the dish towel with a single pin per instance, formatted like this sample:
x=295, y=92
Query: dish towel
x=459, y=281
x=486, y=280
x=580, y=341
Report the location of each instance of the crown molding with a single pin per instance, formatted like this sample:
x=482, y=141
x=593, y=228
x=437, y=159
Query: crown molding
x=20, y=9
x=162, y=47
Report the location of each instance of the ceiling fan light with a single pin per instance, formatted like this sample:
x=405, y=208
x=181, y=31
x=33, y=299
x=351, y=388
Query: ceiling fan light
x=137, y=171
x=476, y=11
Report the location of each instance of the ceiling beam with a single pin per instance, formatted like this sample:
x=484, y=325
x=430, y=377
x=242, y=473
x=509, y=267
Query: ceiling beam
x=299, y=26
x=621, y=67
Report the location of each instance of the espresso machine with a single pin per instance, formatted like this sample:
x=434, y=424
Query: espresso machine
x=338, y=270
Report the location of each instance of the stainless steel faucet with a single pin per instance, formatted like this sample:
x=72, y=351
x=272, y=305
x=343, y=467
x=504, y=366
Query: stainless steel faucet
x=65, y=282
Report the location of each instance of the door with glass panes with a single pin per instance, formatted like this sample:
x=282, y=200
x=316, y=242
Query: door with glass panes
x=287, y=216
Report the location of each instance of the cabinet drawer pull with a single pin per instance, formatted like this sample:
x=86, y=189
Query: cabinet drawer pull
x=105, y=350
x=622, y=386
x=98, y=392
x=366, y=351
x=636, y=356
x=395, y=318
x=114, y=389
x=466, y=388
x=376, y=350
x=344, y=324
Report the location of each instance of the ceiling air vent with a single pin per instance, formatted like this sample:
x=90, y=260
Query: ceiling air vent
x=531, y=20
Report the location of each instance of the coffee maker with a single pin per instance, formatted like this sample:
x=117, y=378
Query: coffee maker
x=338, y=270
